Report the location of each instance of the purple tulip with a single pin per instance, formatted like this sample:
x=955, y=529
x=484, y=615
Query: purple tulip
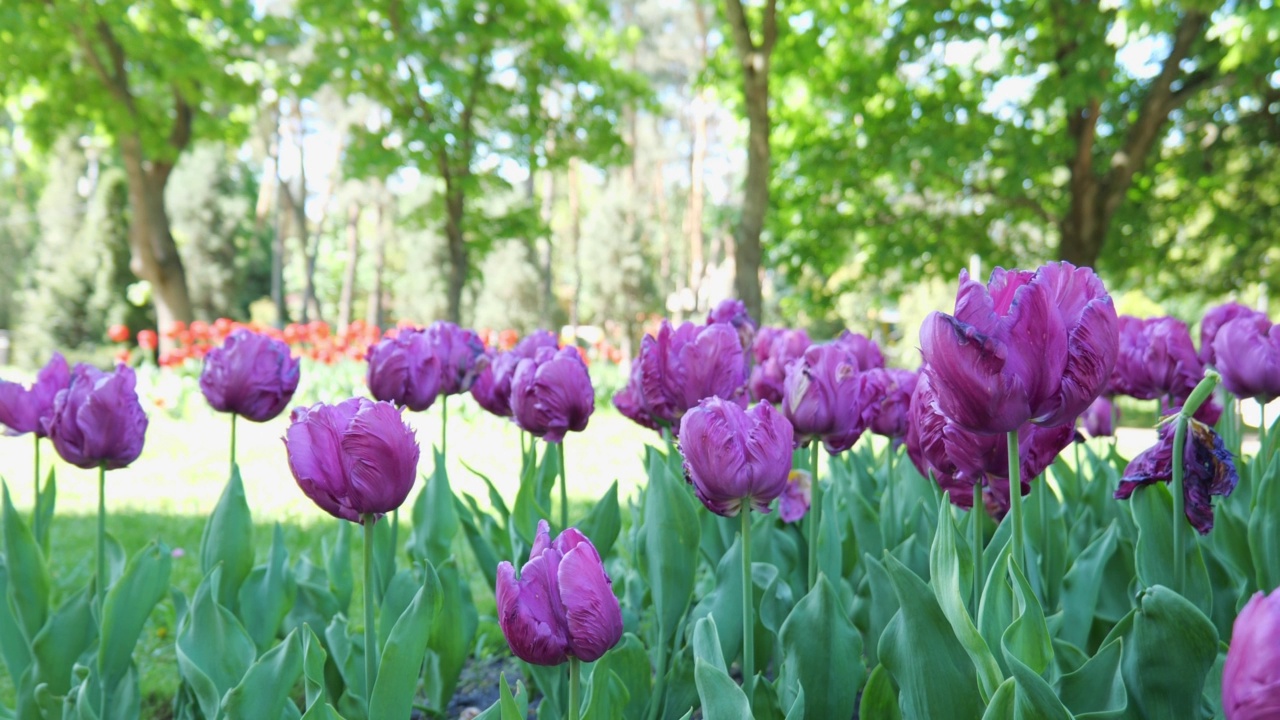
x=794, y=501
x=734, y=312
x=492, y=388
x=680, y=367
x=352, y=459
x=892, y=418
x=1251, y=674
x=562, y=605
x=404, y=370
x=461, y=355
x=775, y=349
x=551, y=394
x=735, y=457
x=1208, y=470
x=863, y=348
x=1099, y=418
x=24, y=410
x=826, y=397
x=1028, y=347
x=97, y=420
x=630, y=403
x=960, y=459
x=1156, y=359
x=251, y=375
x=1213, y=321
x=1248, y=353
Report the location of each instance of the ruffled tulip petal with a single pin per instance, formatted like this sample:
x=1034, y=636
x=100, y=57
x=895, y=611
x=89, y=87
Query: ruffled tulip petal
x=382, y=458
x=97, y=420
x=1251, y=673
x=1248, y=354
x=593, y=616
x=1090, y=356
x=968, y=374
x=526, y=614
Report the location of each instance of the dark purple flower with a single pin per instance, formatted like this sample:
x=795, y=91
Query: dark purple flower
x=1248, y=353
x=1156, y=359
x=492, y=388
x=863, y=348
x=734, y=312
x=562, y=605
x=735, y=458
x=1251, y=674
x=1099, y=418
x=1213, y=321
x=960, y=459
x=551, y=394
x=680, y=367
x=1028, y=347
x=461, y=355
x=892, y=415
x=794, y=501
x=24, y=410
x=97, y=420
x=354, y=458
x=775, y=349
x=251, y=375
x=629, y=402
x=1208, y=470
x=404, y=370
x=827, y=397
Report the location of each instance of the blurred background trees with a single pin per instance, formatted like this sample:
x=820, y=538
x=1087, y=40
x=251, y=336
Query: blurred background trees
x=603, y=162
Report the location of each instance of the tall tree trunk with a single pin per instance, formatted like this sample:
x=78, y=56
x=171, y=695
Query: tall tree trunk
x=575, y=242
x=376, y=314
x=459, y=263
x=349, y=276
x=548, y=257
x=697, y=195
x=277, y=242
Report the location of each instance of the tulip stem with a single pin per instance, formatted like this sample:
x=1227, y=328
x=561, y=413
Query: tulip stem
x=1179, y=504
x=233, y=442
x=101, y=589
x=891, y=510
x=815, y=509
x=748, y=609
x=1015, y=498
x=1262, y=434
x=444, y=425
x=1042, y=498
x=564, y=488
x=35, y=499
x=975, y=527
x=575, y=685
x=370, y=637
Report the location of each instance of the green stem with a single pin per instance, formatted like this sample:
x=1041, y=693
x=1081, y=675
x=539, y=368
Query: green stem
x=564, y=488
x=1042, y=498
x=395, y=533
x=575, y=684
x=233, y=442
x=1015, y=498
x=370, y=637
x=975, y=527
x=35, y=499
x=891, y=509
x=748, y=609
x=1179, y=504
x=660, y=680
x=101, y=589
x=1262, y=434
x=444, y=425
x=815, y=509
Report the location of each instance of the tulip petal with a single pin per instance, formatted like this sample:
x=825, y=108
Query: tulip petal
x=526, y=615
x=967, y=370
x=382, y=458
x=592, y=613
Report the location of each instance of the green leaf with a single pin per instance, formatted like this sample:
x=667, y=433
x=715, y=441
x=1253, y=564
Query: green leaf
x=720, y=696
x=879, y=698
x=404, y=651
x=29, y=582
x=452, y=635
x=313, y=660
x=485, y=552
x=818, y=630
x=400, y=593
x=829, y=551
x=1152, y=507
x=1096, y=689
x=1027, y=638
x=527, y=510
x=228, y=540
x=1264, y=527
x=603, y=522
x=45, y=502
x=435, y=519
x=13, y=645
x=630, y=663
x=508, y=706
x=1166, y=660
x=724, y=603
x=213, y=649
x=606, y=695
x=1082, y=585
x=1003, y=703
x=267, y=594
x=127, y=606
x=265, y=688
x=62, y=641
x=671, y=537
x=341, y=579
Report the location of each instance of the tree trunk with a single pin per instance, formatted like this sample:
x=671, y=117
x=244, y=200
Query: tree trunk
x=548, y=257
x=277, y=242
x=349, y=276
x=697, y=194
x=459, y=263
x=575, y=241
x=376, y=314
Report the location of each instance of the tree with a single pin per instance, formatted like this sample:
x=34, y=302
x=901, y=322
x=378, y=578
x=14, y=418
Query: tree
x=154, y=77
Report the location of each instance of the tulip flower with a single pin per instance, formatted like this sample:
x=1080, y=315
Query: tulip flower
x=630, y=403
x=551, y=394
x=734, y=312
x=1213, y=321
x=23, y=410
x=1156, y=359
x=147, y=340
x=775, y=349
x=1248, y=356
x=827, y=398
x=891, y=417
x=863, y=348
x=795, y=499
x=492, y=388
x=461, y=355
x=1099, y=418
x=1032, y=347
x=250, y=375
x=404, y=370
x=1251, y=674
x=97, y=421
x=118, y=333
x=680, y=367
x=1207, y=466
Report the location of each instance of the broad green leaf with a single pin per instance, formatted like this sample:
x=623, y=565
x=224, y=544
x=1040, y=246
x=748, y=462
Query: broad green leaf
x=1003, y=703
x=508, y=706
x=29, y=582
x=400, y=592
x=266, y=685
x=402, y=655
x=128, y=604
x=213, y=648
x=527, y=510
x=629, y=662
x=228, y=540
x=485, y=552
x=1081, y=586
x=603, y=522
x=1096, y=689
x=13, y=645
x=879, y=698
x=1152, y=507
x=435, y=519
x=1264, y=528
x=829, y=558
x=720, y=696
x=70, y=631
x=313, y=660
x=1027, y=638
x=671, y=535
x=46, y=500
x=337, y=560
x=1168, y=657
x=944, y=576
x=724, y=603
x=606, y=695
x=267, y=594
x=817, y=631
x=452, y=635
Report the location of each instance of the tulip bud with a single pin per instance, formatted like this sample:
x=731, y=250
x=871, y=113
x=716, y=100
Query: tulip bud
x=352, y=459
x=403, y=370
x=25, y=410
x=97, y=420
x=562, y=605
x=735, y=457
x=1251, y=674
x=251, y=375
x=551, y=394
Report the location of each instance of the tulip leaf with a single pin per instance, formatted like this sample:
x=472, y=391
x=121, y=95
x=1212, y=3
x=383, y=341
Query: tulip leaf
x=400, y=592
x=944, y=576
x=883, y=605
x=213, y=648
x=69, y=633
x=228, y=540
x=384, y=556
x=818, y=630
x=706, y=643
x=879, y=698
x=452, y=634
x=341, y=579
x=435, y=519
x=508, y=706
x=995, y=611
x=128, y=604
x=605, y=695
x=403, y=653
x=267, y=594
x=313, y=661
x=528, y=510
x=495, y=497
x=721, y=697
x=1264, y=527
x=1027, y=638
x=13, y=646
x=1096, y=689
x=1082, y=585
x=829, y=557
x=603, y=522
x=724, y=604
x=1168, y=656
x=1002, y=705
x=918, y=648
x=1152, y=507
x=671, y=537
x=347, y=654
x=482, y=547
x=315, y=603
x=46, y=499
x=29, y=582
x=265, y=687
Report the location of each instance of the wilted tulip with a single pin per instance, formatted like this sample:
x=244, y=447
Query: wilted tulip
x=794, y=501
x=251, y=375
x=681, y=366
x=775, y=349
x=1251, y=674
x=863, y=348
x=461, y=355
x=404, y=370
x=1248, y=353
x=97, y=420
x=827, y=398
x=1208, y=470
x=492, y=388
x=353, y=459
x=551, y=394
x=734, y=312
x=1156, y=359
x=562, y=606
x=1028, y=347
x=1213, y=321
x=1099, y=418
x=735, y=457
x=892, y=415
x=23, y=410
x=960, y=459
